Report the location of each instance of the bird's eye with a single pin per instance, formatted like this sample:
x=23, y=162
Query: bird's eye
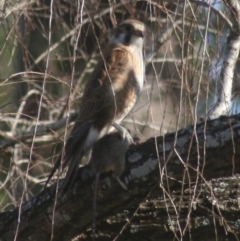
x=128, y=27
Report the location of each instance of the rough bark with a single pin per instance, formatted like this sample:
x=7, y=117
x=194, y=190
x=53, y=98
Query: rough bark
x=177, y=187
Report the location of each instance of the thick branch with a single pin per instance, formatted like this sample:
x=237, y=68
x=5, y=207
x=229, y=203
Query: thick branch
x=180, y=168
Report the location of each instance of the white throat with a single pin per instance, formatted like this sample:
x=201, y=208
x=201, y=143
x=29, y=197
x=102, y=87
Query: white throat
x=137, y=53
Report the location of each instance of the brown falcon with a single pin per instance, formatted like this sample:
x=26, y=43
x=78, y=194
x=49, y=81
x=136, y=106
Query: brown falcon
x=109, y=95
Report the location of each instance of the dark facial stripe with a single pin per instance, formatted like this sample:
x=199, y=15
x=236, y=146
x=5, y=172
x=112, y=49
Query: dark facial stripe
x=127, y=39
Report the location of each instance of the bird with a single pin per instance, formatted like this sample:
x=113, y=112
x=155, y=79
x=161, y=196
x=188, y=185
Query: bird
x=109, y=95
x=108, y=154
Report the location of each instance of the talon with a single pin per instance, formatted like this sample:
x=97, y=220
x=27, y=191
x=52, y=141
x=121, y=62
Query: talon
x=121, y=183
x=124, y=133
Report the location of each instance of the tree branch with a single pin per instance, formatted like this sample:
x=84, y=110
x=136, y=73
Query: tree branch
x=163, y=162
x=41, y=130
x=223, y=103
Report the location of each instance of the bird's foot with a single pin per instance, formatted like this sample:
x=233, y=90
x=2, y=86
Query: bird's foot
x=121, y=183
x=124, y=133
x=107, y=182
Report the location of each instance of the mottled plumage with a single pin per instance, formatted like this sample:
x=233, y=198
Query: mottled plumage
x=109, y=95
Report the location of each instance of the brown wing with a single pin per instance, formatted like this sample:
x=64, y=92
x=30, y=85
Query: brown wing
x=99, y=98
x=98, y=107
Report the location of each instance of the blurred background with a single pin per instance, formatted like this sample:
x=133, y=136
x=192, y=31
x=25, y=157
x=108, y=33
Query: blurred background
x=48, y=50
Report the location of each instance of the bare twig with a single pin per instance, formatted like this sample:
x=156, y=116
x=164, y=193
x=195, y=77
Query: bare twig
x=41, y=130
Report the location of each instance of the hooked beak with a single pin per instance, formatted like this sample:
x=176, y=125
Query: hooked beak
x=139, y=33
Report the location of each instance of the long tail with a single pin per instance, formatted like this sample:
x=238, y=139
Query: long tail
x=56, y=166
x=74, y=151
x=72, y=170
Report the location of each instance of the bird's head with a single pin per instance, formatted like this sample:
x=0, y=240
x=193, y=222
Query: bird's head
x=130, y=33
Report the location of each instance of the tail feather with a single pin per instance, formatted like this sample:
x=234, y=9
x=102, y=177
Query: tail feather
x=74, y=151
x=71, y=172
x=77, y=138
x=55, y=167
